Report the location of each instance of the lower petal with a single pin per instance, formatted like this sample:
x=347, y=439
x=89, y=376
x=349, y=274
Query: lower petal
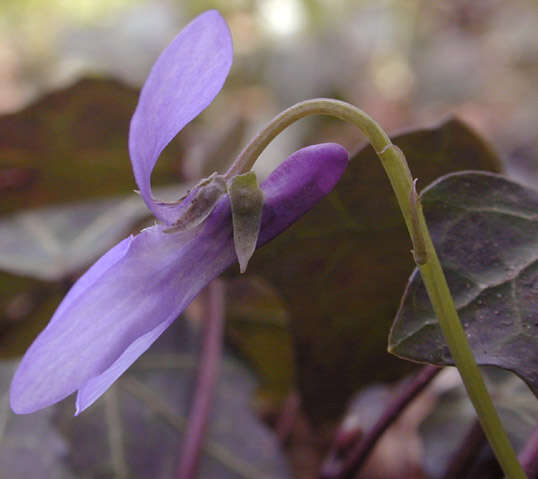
x=96, y=386
x=100, y=321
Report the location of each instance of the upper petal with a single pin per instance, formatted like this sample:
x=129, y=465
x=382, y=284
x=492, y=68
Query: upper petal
x=183, y=81
x=123, y=303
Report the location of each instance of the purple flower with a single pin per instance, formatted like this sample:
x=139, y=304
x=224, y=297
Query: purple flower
x=122, y=304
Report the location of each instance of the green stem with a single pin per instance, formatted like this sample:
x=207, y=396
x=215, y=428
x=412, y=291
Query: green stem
x=401, y=180
x=443, y=305
x=319, y=106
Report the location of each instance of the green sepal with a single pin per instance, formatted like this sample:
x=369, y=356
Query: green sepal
x=246, y=200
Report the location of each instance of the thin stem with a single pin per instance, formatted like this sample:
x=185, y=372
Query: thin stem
x=358, y=455
x=396, y=168
x=529, y=455
x=443, y=305
x=319, y=106
x=203, y=397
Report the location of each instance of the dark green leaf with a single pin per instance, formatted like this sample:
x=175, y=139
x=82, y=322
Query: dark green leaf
x=485, y=229
x=342, y=268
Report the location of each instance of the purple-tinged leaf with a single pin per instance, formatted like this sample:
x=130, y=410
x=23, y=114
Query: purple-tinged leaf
x=182, y=83
x=69, y=146
x=485, y=229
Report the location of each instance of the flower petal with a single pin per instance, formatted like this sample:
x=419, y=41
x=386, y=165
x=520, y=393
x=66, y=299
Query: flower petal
x=131, y=295
x=96, y=386
x=183, y=82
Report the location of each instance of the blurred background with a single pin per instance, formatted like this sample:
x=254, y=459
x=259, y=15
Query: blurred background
x=70, y=71
x=404, y=62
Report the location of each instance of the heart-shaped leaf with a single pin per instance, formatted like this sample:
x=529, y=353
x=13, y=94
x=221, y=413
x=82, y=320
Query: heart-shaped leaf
x=485, y=230
x=135, y=429
x=342, y=268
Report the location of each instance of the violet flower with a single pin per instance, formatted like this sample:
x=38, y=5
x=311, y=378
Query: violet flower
x=123, y=303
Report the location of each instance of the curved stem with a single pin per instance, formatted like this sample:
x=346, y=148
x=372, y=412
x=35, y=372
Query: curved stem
x=396, y=168
x=319, y=106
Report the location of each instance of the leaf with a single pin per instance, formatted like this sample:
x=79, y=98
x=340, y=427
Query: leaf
x=29, y=447
x=446, y=426
x=54, y=242
x=71, y=145
x=342, y=267
x=135, y=430
x=485, y=229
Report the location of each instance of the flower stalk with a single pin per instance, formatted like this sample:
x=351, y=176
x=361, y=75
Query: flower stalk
x=400, y=177
x=205, y=387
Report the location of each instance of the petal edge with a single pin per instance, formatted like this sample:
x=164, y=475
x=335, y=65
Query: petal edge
x=184, y=80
